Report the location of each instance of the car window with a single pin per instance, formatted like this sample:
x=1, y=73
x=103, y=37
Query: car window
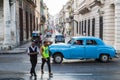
x=91, y=42
x=79, y=42
x=71, y=41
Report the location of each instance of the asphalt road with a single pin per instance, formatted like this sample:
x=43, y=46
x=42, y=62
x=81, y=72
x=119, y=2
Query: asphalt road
x=16, y=67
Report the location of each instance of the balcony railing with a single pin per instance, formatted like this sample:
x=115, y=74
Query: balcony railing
x=86, y=5
x=32, y=2
x=95, y=2
x=83, y=7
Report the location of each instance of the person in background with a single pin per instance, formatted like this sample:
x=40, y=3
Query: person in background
x=41, y=37
x=84, y=33
x=33, y=51
x=44, y=50
x=79, y=42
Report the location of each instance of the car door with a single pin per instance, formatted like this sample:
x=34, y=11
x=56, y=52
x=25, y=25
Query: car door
x=91, y=49
x=77, y=50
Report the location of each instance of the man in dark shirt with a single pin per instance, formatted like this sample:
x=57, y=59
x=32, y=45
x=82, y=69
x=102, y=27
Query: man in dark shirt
x=32, y=52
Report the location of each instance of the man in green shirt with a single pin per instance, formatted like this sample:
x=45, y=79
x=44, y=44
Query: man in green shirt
x=44, y=50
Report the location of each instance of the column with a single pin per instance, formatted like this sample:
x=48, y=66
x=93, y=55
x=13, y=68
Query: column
x=109, y=23
x=14, y=31
x=7, y=24
x=67, y=22
x=117, y=24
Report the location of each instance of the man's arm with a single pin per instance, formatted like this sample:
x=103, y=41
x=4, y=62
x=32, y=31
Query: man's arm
x=28, y=51
x=38, y=51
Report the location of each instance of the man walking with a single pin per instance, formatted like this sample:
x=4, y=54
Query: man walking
x=44, y=50
x=33, y=52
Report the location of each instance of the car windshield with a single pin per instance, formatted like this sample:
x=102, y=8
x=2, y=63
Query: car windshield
x=71, y=41
x=59, y=36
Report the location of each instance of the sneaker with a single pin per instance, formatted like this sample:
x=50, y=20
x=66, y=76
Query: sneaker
x=35, y=75
x=42, y=72
x=31, y=74
x=50, y=74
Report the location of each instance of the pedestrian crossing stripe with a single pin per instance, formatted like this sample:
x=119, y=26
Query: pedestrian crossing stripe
x=67, y=74
x=75, y=74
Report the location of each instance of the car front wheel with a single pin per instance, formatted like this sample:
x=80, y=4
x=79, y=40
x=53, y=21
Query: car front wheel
x=58, y=58
x=104, y=58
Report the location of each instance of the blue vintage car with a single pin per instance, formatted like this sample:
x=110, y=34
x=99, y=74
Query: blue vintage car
x=82, y=48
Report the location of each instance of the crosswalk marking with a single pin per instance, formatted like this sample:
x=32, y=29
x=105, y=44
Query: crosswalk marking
x=74, y=74
x=66, y=74
x=45, y=76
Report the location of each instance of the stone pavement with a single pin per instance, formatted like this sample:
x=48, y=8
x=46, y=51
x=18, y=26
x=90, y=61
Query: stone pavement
x=18, y=50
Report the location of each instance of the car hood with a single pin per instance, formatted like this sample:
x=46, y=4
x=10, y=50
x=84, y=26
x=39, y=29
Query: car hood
x=60, y=45
x=109, y=46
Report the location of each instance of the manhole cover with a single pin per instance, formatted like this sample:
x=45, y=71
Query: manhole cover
x=12, y=79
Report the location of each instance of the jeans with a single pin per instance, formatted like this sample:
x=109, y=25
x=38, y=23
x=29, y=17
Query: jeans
x=48, y=63
x=33, y=65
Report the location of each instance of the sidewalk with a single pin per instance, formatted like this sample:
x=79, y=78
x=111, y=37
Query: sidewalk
x=18, y=50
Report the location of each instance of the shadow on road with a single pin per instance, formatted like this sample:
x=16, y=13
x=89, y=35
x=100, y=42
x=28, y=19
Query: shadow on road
x=12, y=79
x=86, y=62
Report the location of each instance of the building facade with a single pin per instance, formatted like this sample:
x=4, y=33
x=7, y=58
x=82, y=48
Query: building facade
x=64, y=18
x=18, y=19
x=37, y=15
x=99, y=18
x=44, y=19
x=46, y=14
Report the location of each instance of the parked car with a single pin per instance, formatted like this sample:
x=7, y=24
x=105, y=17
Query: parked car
x=88, y=48
x=59, y=38
x=36, y=37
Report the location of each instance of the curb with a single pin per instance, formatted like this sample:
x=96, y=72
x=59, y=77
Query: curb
x=2, y=53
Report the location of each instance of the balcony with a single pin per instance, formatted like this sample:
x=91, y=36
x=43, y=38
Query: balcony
x=92, y=3
x=96, y=2
x=68, y=5
x=42, y=19
x=32, y=2
x=83, y=7
x=86, y=5
x=112, y=1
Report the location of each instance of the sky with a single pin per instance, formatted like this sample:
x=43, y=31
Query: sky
x=55, y=5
